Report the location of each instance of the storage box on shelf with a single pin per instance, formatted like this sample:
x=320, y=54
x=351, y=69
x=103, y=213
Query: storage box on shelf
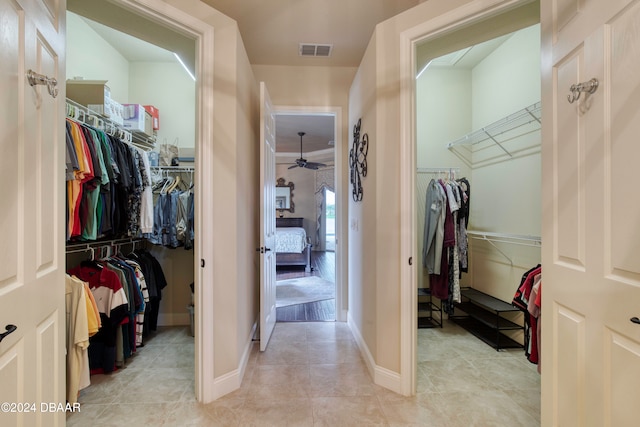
x=155, y=116
x=485, y=318
x=96, y=96
x=137, y=119
x=426, y=310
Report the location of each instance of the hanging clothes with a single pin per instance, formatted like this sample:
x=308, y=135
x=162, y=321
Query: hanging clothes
x=433, y=227
x=463, y=222
x=444, y=252
x=112, y=305
x=521, y=300
x=173, y=214
x=77, y=336
x=108, y=185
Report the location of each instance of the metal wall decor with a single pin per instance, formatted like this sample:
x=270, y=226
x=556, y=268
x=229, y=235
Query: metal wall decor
x=358, y=161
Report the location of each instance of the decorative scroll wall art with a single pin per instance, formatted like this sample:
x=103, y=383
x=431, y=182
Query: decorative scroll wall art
x=358, y=161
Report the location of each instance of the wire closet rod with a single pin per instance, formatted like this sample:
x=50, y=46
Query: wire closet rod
x=174, y=168
x=514, y=239
x=90, y=246
x=438, y=170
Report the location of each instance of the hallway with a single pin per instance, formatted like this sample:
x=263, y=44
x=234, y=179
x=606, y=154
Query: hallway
x=312, y=374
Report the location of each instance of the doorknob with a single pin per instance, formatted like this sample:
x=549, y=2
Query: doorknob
x=267, y=249
x=9, y=328
x=635, y=320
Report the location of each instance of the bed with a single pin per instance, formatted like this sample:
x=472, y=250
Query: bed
x=292, y=245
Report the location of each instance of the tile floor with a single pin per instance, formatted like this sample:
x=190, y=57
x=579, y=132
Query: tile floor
x=312, y=374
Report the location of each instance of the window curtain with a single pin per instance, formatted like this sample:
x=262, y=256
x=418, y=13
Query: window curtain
x=324, y=180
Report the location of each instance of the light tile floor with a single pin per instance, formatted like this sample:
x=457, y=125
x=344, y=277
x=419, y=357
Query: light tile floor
x=312, y=374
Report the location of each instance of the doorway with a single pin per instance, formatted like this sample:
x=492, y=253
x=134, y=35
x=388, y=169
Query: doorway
x=306, y=162
x=458, y=89
x=135, y=73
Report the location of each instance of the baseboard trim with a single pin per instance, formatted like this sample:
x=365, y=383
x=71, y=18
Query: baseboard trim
x=381, y=376
x=362, y=345
x=232, y=381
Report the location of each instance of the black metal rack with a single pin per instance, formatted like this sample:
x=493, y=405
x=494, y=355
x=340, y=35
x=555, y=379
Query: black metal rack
x=485, y=319
x=426, y=310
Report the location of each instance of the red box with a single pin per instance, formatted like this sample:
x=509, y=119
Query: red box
x=155, y=116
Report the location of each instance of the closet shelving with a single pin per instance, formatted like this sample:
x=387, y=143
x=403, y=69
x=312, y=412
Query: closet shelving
x=102, y=244
x=485, y=318
x=515, y=239
x=521, y=122
x=82, y=114
x=427, y=309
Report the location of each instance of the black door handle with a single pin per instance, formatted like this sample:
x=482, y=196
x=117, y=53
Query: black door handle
x=9, y=328
x=635, y=320
x=267, y=249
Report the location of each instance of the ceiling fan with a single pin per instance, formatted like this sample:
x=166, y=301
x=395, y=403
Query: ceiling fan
x=303, y=163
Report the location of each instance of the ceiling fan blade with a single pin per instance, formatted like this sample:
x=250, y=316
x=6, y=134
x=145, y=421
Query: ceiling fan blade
x=314, y=165
x=292, y=166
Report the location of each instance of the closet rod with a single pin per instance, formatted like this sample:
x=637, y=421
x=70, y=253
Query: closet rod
x=88, y=246
x=437, y=170
x=175, y=168
x=490, y=235
x=514, y=239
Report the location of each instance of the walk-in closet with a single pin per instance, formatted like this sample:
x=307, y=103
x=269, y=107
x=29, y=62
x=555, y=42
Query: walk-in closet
x=478, y=163
x=131, y=124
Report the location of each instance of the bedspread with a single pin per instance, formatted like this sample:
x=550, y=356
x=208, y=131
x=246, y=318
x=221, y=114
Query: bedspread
x=290, y=239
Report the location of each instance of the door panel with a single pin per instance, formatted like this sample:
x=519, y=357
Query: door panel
x=570, y=232
x=569, y=350
x=591, y=240
x=12, y=25
x=622, y=398
x=268, y=218
x=32, y=144
x=623, y=53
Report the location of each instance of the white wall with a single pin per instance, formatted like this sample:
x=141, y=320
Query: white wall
x=168, y=87
x=508, y=79
x=443, y=113
x=89, y=56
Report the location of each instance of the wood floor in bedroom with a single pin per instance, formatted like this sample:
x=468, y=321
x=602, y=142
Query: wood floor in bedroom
x=322, y=265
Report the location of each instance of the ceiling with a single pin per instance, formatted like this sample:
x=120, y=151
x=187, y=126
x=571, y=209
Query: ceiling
x=318, y=133
x=346, y=25
x=272, y=30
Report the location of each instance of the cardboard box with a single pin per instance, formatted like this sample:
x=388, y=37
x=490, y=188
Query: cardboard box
x=90, y=92
x=137, y=119
x=155, y=115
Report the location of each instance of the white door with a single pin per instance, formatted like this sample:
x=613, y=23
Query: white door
x=32, y=358
x=591, y=212
x=267, y=218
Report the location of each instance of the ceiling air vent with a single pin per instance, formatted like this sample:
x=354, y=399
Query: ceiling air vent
x=310, y=49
